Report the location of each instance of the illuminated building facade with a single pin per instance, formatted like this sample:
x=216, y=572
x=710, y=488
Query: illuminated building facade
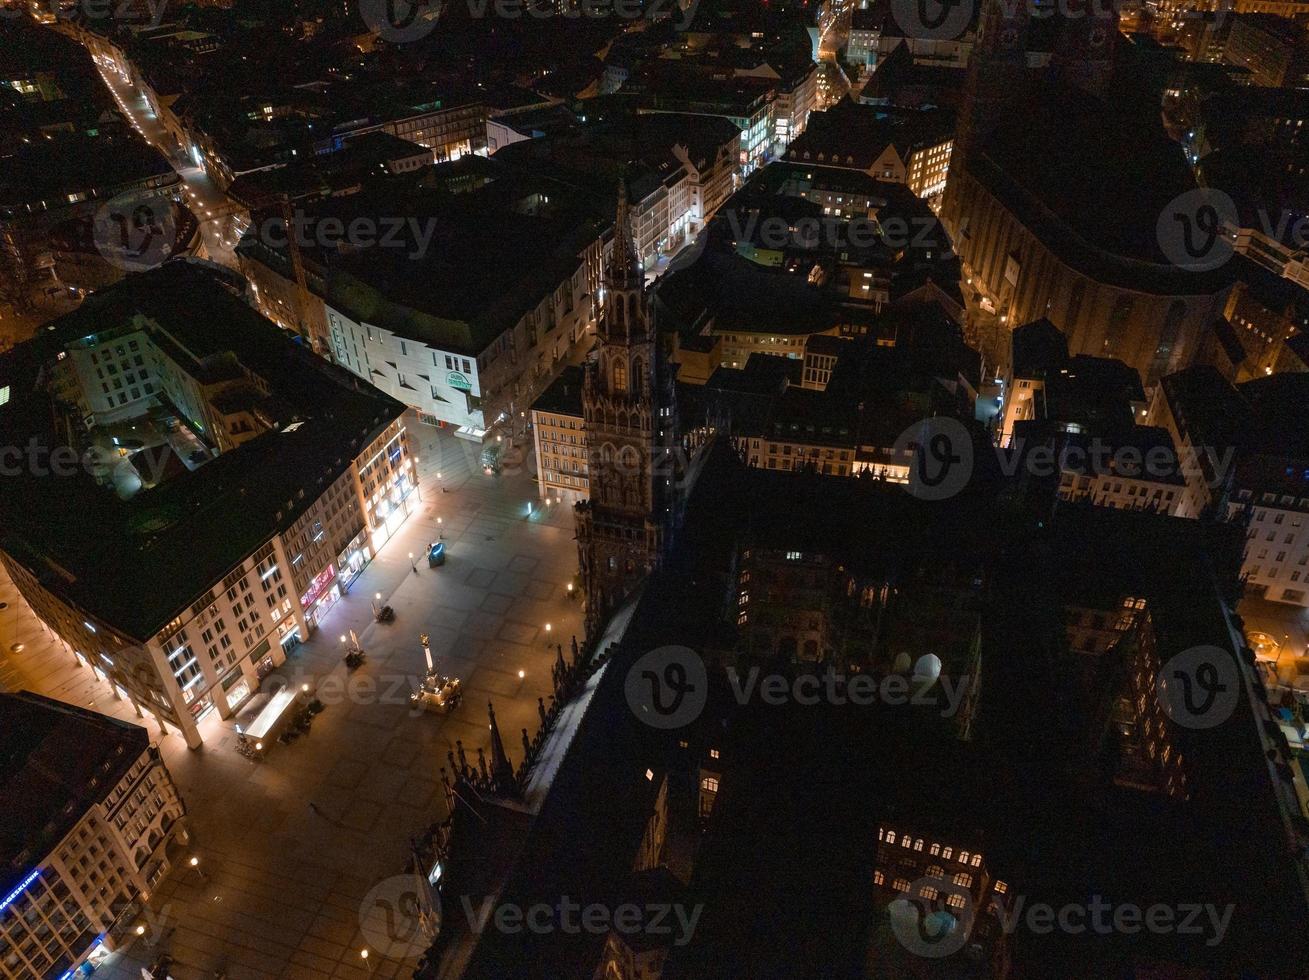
x=933, y=870
x=97, y=830
x=244, y=539
x=559, y=434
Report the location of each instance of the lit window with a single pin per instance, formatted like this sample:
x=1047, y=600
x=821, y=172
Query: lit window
x=709, y=784
x=4, y=395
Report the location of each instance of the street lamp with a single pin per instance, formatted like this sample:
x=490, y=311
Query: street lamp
x=377, y=609
x=195, y=864
x=412, y=567
x=363, y=955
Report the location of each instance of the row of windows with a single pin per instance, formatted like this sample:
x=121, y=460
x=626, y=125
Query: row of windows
x=946, y=852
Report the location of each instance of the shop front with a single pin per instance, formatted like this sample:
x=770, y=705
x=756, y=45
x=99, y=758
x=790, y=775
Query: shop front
x=322, y=595
x=392, y=511
x=201, y=707
x=350, y=562
x=236, y=689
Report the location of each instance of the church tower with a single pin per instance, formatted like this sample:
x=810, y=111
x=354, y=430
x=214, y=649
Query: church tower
x=630, y=413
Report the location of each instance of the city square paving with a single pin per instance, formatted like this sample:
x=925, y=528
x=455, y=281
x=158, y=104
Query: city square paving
x=280, y=883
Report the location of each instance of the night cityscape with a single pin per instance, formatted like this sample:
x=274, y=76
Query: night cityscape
x=654, y=489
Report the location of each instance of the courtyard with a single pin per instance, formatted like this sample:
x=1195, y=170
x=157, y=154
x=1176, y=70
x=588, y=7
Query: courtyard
x=288, y=848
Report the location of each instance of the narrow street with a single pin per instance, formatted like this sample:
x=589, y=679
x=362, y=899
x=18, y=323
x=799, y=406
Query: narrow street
x=212, y=208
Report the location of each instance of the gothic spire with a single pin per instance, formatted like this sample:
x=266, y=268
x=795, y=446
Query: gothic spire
x=624, y=265
x=502, y=772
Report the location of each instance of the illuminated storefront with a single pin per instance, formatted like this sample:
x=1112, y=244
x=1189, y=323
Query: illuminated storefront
x=322, y=595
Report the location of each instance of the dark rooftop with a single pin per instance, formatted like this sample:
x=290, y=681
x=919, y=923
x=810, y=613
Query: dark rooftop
x=854, y=135
x=154, y=553
x=1039, y=347
x=446, y=277
x=56, y=760
x=564, y=396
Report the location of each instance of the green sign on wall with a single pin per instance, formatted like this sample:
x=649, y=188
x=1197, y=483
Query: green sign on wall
x=456, y=380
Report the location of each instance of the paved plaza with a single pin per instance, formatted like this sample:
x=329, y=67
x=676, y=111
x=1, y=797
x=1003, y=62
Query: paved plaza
x=280, y=883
